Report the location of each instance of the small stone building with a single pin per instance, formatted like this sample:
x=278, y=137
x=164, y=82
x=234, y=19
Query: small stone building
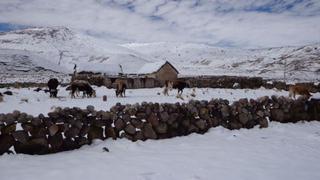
x=161, y=71
x=150, y=75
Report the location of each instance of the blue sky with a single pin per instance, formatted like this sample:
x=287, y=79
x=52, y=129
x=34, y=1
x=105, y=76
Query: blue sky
x=4, y=27
x=234, y=23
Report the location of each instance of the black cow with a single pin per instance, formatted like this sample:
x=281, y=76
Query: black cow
x=84, y=86
x=178, y=84
x=53, y=84
x=9, y=93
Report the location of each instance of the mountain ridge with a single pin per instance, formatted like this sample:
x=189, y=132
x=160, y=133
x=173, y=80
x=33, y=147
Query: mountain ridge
x=65, y=48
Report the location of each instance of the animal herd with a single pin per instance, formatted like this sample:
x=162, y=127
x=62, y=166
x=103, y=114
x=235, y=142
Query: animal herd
x=77, y=86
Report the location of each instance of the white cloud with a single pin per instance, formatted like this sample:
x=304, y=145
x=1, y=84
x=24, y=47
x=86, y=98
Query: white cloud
x=245, y=23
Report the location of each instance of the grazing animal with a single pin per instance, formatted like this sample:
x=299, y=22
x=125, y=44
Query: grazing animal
x=178, y=84
x=1, y=97
x=166, y=90
x=53, y=84
x=9, y=93
x=299, y=90
x=121, y=87
x=84, y=86
x=37, y=89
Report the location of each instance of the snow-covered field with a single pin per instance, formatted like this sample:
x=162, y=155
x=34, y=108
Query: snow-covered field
x=39, y=102
x=282, y=151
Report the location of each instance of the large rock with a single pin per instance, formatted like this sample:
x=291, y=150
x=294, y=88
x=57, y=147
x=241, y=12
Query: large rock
x=81, y=141
x=10, y=119
x=53, y=130
x=21, y=136
x=141, y=115
x=56, y=142
x=72, y=132
x=201, y=124
x=84, y=130
x=130, y=129
x=39, y=132
x=33, y=146
x=164, y=116
x=173, y=117
x=106, y=116
x=193, y=129
x=263, y=123
x=27, y=127
x=162, y=128
x=153, y=119
x=69, y=144
x=53, y=115
x=260, y=113
x=225, y=111
x=235, y=125
x=95, y=133
x=8, y=129
x=243, y=118
x=277, y=115
x=6, y=141
x=138, y=136
x=110, y=133
x=148, y=132
x=137, y=123
x=119, y=124
x=2, y=118
x=16, y=114
x=78, y=124
x=90, y=108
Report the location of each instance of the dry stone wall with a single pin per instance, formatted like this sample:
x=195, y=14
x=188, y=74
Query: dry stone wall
x=70, y=128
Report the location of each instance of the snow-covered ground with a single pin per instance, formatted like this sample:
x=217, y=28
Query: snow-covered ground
x=282, y=151
x=39, y=102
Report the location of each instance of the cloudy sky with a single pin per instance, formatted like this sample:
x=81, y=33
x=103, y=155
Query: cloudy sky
x=226, y=23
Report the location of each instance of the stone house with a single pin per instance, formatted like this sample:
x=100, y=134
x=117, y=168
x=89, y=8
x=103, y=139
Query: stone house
x=161, y=71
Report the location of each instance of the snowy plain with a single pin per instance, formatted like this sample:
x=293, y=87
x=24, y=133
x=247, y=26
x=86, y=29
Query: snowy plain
x=281, y=151
x=39, y=102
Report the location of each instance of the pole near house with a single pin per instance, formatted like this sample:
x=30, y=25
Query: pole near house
x=121, y=70
x=284, y=69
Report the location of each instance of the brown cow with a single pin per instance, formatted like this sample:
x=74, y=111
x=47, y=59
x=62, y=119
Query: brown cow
x=121, y=87
x=84, y=86
x=300, y=90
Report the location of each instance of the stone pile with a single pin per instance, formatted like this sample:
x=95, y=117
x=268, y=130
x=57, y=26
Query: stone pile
x=70, y=128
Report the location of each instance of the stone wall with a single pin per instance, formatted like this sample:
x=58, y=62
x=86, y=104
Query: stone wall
x=70, y=128
x=241, y=82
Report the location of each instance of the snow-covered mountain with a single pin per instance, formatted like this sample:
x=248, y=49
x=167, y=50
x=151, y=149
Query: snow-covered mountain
x=63, y=47
x=58, y=49
x=299, y=63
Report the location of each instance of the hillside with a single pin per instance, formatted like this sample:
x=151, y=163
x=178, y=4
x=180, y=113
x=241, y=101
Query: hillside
x=55, y=51
x=302, y=63
x=65, y=48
